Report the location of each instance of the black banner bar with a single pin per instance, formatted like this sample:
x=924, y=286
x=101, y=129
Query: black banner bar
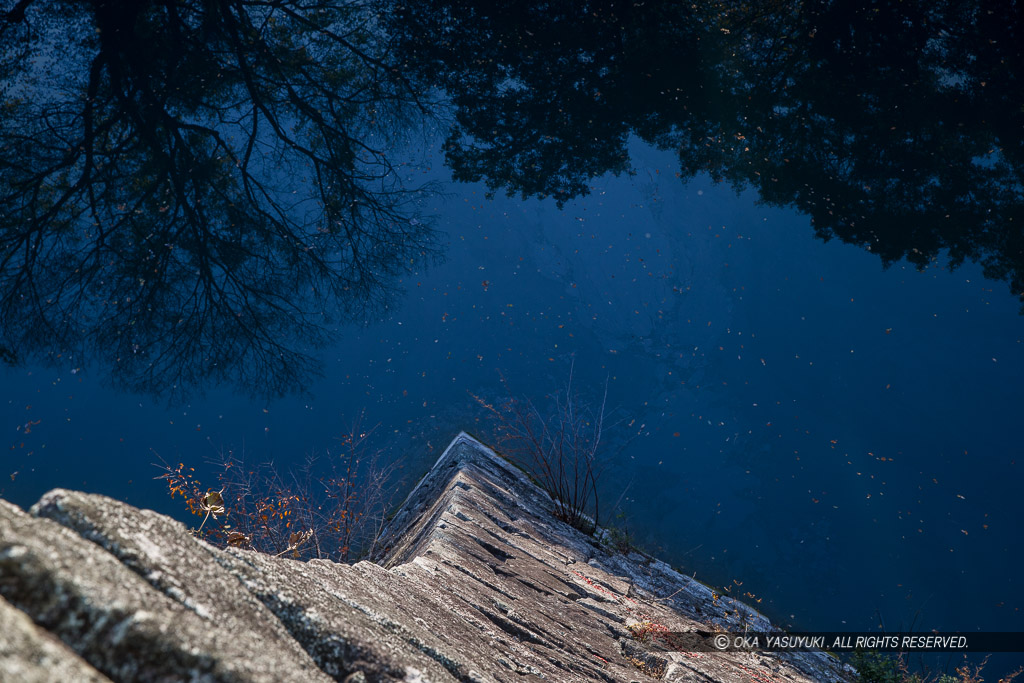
x=833, y=641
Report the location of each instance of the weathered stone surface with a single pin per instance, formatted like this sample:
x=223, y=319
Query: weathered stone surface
x=348, y=625
x=113, y=618
x=477, y=582
x=172, y=561
x=558, y=603
x=29, y=654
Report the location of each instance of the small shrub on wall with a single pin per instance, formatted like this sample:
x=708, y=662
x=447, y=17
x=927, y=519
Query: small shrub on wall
x=330, y=508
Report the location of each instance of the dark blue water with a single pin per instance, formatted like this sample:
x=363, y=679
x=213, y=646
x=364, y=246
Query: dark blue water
x=841, y=440
x=834, y=441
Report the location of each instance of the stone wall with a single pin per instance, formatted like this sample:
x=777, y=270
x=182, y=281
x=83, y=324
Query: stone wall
x=476, y=582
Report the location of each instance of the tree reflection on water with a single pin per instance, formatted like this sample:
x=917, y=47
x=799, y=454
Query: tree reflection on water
x=191, y=191
x=898, y=127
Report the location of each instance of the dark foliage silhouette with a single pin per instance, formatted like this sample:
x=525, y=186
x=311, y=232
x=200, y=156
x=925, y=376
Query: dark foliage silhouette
x=193, y=191
x=898, y=127
x=546, y=94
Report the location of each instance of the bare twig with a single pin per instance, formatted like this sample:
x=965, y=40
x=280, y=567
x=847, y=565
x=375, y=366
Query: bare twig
x=560, y=448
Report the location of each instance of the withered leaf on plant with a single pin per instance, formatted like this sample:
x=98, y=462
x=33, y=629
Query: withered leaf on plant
x=238, y=540
x=213, y=502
